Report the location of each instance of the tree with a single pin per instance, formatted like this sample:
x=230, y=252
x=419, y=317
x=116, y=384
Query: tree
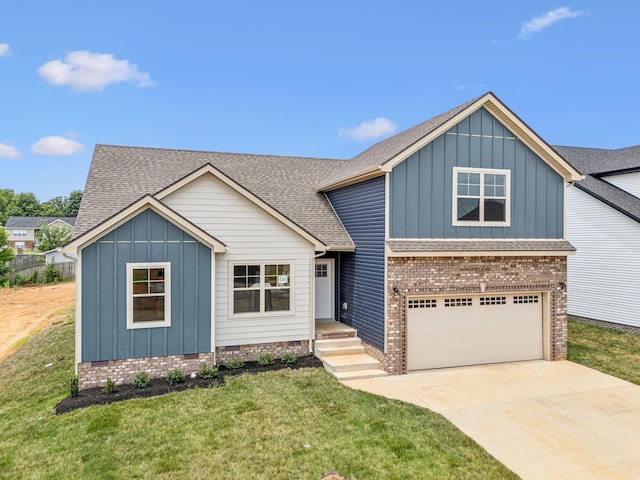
x=24, y=205
x=52, y=236
x=53, y=208
x=72, y=203
x=6, y=199
x=6, y=255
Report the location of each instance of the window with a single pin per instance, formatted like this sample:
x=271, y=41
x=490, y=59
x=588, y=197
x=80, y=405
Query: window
x=20, y=245
x=458, y=302
x=321, y=270
x=260, y=287
x=148, y=295
x=19, y=233
x=422, y=303
x=480, y=197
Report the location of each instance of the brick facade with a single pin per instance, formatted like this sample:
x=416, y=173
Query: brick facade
x=463, y=275
x=95, y=374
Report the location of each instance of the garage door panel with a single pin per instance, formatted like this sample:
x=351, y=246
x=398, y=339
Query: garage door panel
x=470, y=332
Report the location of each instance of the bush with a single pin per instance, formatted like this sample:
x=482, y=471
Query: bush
x=175, y=377
x=207, y=372
x=73, y=386
x=289, y=358
x=235, y=363
x=110, y=387
x=142, y=380
x=52, y=274
x=20, y=280
x=265, y=359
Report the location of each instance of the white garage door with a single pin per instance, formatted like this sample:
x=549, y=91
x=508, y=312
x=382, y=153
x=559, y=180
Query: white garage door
x=472, y=330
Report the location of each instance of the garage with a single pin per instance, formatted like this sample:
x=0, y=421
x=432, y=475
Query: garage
x=451, y=331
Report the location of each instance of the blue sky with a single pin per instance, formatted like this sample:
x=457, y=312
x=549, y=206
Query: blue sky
x=321, y=79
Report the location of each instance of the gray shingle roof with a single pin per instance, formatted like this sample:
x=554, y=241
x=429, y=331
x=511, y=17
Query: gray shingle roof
x=383, y=151
x=121, y=175
x=35, y=222
x=480, y=246
x=596, y=163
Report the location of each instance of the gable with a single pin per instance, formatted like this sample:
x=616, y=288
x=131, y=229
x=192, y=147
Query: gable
x=230, y=216
x=421, y=186
x=629, y=182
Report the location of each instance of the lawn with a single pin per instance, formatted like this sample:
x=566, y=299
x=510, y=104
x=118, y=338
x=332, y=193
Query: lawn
x=608, y=351
x=279, y=425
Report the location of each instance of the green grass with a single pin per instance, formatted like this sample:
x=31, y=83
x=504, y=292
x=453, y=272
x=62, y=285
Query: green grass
x=279, y=425
x=608, y=351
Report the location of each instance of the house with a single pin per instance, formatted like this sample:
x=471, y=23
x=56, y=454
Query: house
x=441, y=246
x=22, y=231
x=603, y=222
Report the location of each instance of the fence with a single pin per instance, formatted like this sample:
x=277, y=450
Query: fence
x=67, y=269
x=24, y=262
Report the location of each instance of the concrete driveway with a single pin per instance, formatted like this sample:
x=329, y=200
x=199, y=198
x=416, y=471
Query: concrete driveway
x=543, y=420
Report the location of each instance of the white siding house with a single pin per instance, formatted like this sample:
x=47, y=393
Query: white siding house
x=603, y=279
x=603, y=223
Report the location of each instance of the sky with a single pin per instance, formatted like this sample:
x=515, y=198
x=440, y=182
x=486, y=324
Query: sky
x=301, y=78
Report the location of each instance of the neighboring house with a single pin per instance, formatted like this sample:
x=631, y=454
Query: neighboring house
x=603, y=222
x=443, y=245
x=22, y=230
x=57, y=256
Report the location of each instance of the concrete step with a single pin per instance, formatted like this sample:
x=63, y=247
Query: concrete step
x=323, y=352
x=329, y=343
x=358, y=374
x=332, y=329
x=350, y=362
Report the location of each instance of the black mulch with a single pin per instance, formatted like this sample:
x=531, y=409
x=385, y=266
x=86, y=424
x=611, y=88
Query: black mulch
x=160, y=386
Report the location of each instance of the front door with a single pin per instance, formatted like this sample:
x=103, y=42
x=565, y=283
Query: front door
x=324, y=288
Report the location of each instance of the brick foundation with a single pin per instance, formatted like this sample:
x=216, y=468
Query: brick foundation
x=608, y=325
x=463, y=275
x=95, y=374
x=249, y=353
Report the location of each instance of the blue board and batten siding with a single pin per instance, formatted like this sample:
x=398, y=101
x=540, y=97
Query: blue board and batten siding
x=361, y=209
x=145, y=238
x=421, y=187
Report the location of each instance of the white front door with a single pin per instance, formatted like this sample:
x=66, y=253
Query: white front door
x=324, y=288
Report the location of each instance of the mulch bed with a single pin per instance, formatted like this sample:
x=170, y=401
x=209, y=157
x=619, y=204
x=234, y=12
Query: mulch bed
x=160, y=386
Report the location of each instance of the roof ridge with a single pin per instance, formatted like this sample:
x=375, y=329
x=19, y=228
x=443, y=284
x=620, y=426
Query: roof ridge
x=259, y=155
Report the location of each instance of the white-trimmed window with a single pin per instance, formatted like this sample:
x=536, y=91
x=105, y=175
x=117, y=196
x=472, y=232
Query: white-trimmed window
x=481, y=197
x=261, y=287
x=148, y=295
x=19, y=234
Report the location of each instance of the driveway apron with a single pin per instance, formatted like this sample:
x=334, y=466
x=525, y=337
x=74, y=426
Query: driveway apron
x=543, y=420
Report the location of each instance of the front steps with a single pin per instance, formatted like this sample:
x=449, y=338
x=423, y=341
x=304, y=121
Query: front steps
x=343, y=354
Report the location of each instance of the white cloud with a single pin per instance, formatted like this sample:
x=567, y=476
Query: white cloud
x=56, y=146
x=541, y=22
x=5, y=50
x=83, y=70
x=367, y=130
x=8, y=151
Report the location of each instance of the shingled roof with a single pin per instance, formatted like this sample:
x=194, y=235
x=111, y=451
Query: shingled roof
x=35, y=222
x=596, y=164
x=121, y=175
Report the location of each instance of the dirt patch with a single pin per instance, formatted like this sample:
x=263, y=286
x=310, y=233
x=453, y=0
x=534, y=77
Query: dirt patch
x=25, y=310
x=160, y=386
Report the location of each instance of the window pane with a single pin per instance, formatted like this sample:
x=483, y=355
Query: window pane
x=494, y=210
x=474, y=190
x=489, y=179
x=468, y=209
x=463, y=178
x=246, y=301
x=501, y=180
x=140, y=288
x=140, y=274
x=474, y=179
x=500, y=192
x=463, y=189
x=240, y=271
x=489, y=190
x=253, y=270
x=148, y=309
x=156, y=273
x=277, y=299
x=156, y=287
